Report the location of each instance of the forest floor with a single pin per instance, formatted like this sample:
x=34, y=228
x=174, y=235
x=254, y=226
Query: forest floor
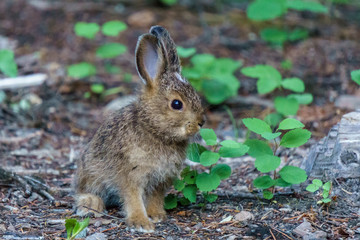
x=43, y=142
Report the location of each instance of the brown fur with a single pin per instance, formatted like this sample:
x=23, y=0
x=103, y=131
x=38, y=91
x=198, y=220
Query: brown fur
x=138, y=151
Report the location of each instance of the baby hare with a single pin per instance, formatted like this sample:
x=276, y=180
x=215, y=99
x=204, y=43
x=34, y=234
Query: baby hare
x=136, y=153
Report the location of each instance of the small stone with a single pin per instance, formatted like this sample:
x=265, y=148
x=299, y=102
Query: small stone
x=232, y=237
x=97, y=223
x=143, y=19
x=348, y=102
x=286, y=210
x=303, y=229
x=97, y=236
x=244, y=216
x=2, y=228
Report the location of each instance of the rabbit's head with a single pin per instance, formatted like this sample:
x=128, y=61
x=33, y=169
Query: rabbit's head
x=169, y=106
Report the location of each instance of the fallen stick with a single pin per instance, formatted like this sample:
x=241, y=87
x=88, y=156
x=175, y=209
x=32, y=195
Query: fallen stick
x=23, y=81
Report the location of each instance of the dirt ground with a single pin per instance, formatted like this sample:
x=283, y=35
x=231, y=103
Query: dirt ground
x=43, y=142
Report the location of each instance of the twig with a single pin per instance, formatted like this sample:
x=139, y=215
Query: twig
x=102, y=213
x=272, y=234
x=282, y=233
x=23, y=81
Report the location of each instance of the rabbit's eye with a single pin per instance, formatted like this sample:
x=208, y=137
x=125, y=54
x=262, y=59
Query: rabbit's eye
x=176, y=104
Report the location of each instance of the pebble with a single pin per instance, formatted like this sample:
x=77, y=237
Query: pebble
x=142, y=19
x=2, y=228
x=244, y=216
x=97, y=236
x=286, y=210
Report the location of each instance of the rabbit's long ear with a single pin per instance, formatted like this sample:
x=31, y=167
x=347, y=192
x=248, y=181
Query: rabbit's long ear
x=150, y=62
x=168, y=47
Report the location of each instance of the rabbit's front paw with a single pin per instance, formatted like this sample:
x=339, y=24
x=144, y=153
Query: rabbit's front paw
x=140, y=223
x=89, y=203
x=156, y=214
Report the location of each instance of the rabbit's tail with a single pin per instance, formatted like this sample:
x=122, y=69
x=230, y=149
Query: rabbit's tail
x=89, y=203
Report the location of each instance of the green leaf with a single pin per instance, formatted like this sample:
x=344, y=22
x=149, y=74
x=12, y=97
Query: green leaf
x=110, y=50
x=325, y=193
x=230, y=144
x=81, y=70
x=194, y=151
x=355, y=76
x=190, y=193
x=113, y=28
x=295, y=138
x=170, y=201
x=112, y=69
x=317, y=182
x=269, y=77
x=209, y=136
x=281, y=183
x=204, y=61
x=79, y=227
x=268, y=195
x=298, y=34
x=287, y=64
x=312, y=188
x=326, y=200
x=273, y=119
x=293, y=84
x=209, y=158
x=179, y=184
x=303, y=99
x=256, y=125
x=210, y=197
x=290, y=123
x=267, y=163
x=215, y=92
x=304, y=5
x=263, y=182
x=7, y=63
x=169, y=2
x=327, y=186
x=207, y=182
x=270, y=136
x=97, y=88
x=258, y=148
x=261, y=10
x=222, y=170
x=184, y=201
x=190, y=177
x=86, y=30
x=185, y=52
x=293, y=175
x=286, y=106
x=69, y=225
x=232, y=149
x=273, y=35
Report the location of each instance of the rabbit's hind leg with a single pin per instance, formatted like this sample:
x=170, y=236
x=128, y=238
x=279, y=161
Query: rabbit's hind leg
x=89, y=203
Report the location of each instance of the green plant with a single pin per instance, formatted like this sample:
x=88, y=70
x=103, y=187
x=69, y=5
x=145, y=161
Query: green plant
x=291, y=134
x=99, y=89
x=105, y=52
x=262, y=10
x=317, y=185
x=211, y=76
x=278, y=37
x=74, y=227
x=192, y=182
x=7, y=63
x=355, y=76
x=270, y=79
